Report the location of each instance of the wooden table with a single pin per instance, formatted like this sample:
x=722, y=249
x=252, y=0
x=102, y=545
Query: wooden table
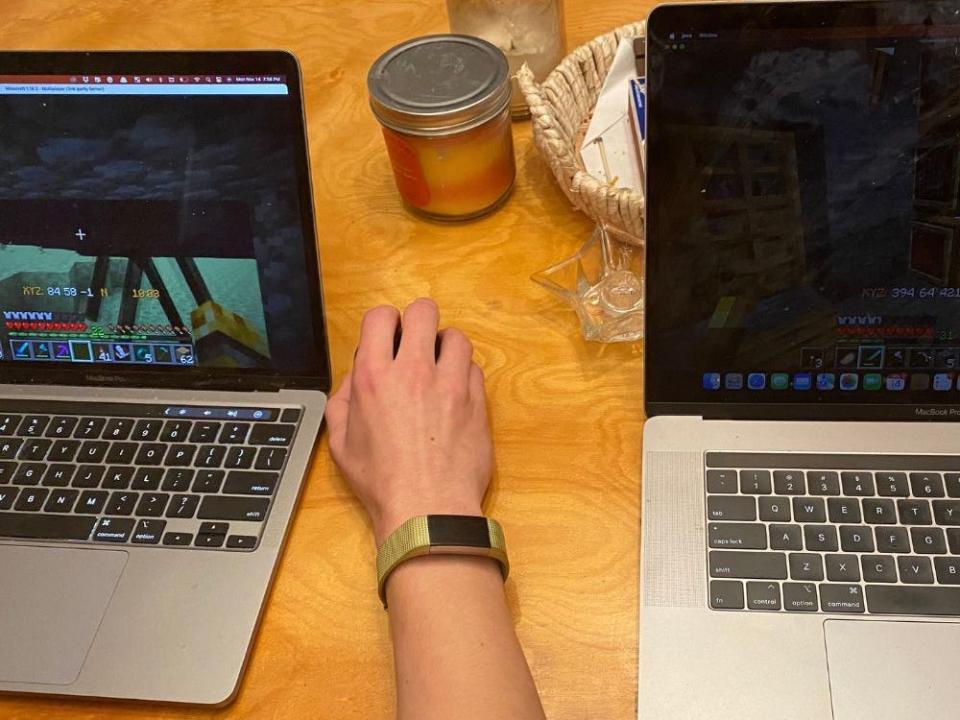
x=567, y=414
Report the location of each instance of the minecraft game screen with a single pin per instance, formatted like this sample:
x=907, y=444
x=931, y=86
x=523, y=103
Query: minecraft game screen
x=152, y=220
x=806, y=214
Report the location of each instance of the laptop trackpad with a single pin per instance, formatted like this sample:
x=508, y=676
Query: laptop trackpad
x=881, y=670
x=51, y=603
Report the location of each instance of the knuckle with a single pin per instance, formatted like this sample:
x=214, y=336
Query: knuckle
x=374, y=314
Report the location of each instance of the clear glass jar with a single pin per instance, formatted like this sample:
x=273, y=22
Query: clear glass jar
x=528, y=31
x=443, y=102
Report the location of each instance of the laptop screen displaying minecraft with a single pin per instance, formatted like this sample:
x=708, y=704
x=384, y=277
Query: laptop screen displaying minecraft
x=804, y=202
x=153, y=220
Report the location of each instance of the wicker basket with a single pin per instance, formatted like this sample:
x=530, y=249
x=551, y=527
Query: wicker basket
x=560, y=109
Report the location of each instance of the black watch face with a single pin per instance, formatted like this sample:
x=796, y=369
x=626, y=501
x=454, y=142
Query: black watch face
x=458, y=530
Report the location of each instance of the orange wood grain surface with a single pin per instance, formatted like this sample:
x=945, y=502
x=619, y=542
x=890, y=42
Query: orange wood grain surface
x=567, y=415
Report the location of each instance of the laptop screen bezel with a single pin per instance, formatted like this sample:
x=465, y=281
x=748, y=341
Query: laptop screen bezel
x=258, y=62
x=769, y=17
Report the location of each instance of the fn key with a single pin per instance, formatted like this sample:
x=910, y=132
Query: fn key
x=726, y=595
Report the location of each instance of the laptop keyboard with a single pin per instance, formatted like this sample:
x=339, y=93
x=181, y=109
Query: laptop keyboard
x=152, y=475
x=834, y=533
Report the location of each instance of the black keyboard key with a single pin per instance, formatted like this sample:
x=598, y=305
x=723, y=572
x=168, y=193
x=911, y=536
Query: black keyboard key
x=122, y=453
x=211, y=456
x=9, y=424
x=927, y=485
x=263, y=483
x=902, y=600
x=7, y=496
x=28, y=474
x=213, y=528
x=948, y=570
x=180, y=455
x=118, y=429
x=841, y=598
x=114, y=530
x=858, y=483
x=806, y=566
x=928, y=541
x=916, y=570
x=31, y=499
x=282, y=435
x=856, y=538
x=215, y=507
x=892, y=484
x=234, y=433
x=183, y=506
x=33, y=426
x=177, y=480
x=820, y=538
x=893, y=540
x=844, y=510
x=786, y=537
x=88, y=476
x=7, y=469
x=915, y=512
x=879, y=512
x=207, y=481
x=842, y=568
x=755, y=482
x=93, y=451
x=808, y=509
x=45, y=527
x=62, y=427
x=122, y=503
x=91, y=502
x=290, y=415
x=248, y=542
x=800, y=597
x=61, y=501
x=772, y=509
x=272, y=458
x=209, y=541
x=823, y=482
x=952, y=481
x=741, y=536
x=9, y=447
x=879, y=568
x=731, y=508
x=763, y=595
x=58, y=475
x=175, y=431
x=63, y=451
x=117, y=478
x=147, y=478
x=946, y=512
x=146, y=431
x=204, y=432
x=239, y=458
x=35, y=449
x=177, y=538
x=89, y=428
x=789, y=482
x=148, y=532
x=151, y=454
x=152, y=504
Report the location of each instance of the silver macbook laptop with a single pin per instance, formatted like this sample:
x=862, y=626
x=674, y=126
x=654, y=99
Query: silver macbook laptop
x=163, y=364
x=801, y=464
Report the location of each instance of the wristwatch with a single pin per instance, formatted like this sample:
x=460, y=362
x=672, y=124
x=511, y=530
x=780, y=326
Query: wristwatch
x=440, y=535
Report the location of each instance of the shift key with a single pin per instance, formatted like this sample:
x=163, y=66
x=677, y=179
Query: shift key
x=757, y=565
x=233, y=508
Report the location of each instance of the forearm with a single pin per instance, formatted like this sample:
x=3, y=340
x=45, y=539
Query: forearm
x=457, y=655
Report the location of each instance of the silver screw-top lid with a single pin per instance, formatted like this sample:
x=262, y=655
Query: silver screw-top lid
x=439, y=84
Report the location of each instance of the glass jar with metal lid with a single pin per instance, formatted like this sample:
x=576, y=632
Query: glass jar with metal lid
x=444, y=104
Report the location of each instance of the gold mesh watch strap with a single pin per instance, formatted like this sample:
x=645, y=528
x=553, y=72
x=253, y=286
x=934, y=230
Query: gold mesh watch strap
x=412, y=539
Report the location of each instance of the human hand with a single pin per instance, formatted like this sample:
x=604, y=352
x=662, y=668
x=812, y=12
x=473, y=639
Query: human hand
x=410, y=433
